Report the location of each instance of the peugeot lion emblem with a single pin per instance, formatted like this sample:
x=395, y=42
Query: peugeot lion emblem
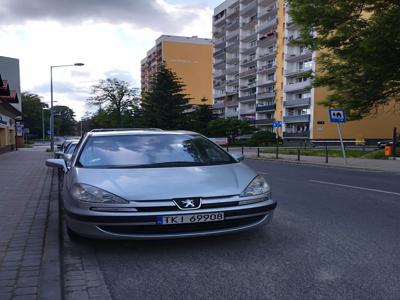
x=183, y=204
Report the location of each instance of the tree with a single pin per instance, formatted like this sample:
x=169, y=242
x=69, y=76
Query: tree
x=64, y=121
x=360, y=42
x=164, y=105
x=230, y=128
x=263, y=138
x=201, y=116
x=32, y=113
x=116, y=99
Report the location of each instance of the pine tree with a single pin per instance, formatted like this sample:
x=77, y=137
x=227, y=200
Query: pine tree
x=164, y=105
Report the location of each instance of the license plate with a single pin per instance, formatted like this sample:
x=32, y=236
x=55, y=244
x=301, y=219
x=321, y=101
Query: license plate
x=188, y=219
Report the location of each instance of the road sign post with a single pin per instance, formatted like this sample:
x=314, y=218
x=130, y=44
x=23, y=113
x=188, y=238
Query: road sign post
x=276, y=125
x=338, y=116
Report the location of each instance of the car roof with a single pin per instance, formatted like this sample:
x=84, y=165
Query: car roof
x=137, y=131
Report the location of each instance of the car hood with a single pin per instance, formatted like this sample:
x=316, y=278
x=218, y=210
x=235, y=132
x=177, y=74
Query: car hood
x=168, y=183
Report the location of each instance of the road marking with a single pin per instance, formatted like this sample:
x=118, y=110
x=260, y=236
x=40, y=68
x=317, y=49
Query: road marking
x=356, y=187
x=263, y=173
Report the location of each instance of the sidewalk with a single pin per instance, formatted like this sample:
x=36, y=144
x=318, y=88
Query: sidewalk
x=25, y=184
x=354, y=163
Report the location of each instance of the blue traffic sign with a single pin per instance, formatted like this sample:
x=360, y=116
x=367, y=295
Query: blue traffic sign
x=276, y=124
x=337, y=116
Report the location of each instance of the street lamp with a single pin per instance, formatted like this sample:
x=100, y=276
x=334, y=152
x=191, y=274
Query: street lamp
x=51, y=101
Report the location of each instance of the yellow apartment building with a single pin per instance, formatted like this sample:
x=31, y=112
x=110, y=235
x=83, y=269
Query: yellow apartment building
x=189, y=57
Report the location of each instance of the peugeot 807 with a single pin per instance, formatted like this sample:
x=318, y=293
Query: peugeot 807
x=149, y=184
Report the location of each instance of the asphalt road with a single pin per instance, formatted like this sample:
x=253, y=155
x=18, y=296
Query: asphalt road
x=331, y=238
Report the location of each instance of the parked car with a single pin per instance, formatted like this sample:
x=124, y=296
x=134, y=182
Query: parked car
x=148, y=184
x=62, y=148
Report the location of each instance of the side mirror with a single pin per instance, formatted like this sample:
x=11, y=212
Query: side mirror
x=57, y=163
x=237, y=156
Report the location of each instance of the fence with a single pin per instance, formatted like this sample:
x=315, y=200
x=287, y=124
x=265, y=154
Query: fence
x=320, y=153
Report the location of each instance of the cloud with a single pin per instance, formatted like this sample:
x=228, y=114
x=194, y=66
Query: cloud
x=154, y=14
x=121, y=75
x=76, y=73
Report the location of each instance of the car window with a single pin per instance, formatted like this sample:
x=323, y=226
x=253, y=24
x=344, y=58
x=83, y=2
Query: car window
x=164, y=150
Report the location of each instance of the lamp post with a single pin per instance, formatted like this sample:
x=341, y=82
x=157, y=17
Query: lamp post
x=51, y=101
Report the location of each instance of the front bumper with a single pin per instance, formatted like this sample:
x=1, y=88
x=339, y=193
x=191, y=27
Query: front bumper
x=142, y=225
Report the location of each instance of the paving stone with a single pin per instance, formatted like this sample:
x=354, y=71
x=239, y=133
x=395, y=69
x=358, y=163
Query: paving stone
x=28, y=281
x=7, y=282
x=8, y=274
x=78, y=295
x=25, y=291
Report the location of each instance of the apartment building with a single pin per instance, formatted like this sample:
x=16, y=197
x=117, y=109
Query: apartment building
x=259, y=76
x=189, y=57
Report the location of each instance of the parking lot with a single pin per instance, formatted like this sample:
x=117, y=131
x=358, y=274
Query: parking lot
x=335, y=235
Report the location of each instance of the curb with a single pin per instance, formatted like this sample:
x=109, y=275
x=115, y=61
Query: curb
x=51, y=279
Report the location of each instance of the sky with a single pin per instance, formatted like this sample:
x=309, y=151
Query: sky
x=109, y=36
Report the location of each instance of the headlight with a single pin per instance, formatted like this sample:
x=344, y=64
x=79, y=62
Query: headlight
x=256, y=187
x=88, y=193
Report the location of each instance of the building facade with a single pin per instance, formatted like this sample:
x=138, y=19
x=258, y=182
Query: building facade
x=10, y=104
x=259, y=76
x=189, y=57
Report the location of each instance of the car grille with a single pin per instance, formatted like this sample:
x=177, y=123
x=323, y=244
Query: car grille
x=175, y=208
x=181, y=228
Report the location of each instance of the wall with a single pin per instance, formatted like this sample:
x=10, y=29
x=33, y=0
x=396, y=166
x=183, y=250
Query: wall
x=377, y=126
x=193, y=64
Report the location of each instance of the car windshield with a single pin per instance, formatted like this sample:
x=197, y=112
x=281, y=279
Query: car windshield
x=151, y=151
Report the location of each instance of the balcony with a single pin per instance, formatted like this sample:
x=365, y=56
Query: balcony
x=248, y=97
x=219, y=43
x=266, y=68
x=232, y=70
x=297, y=119
x=232, y=11
x=218, y=105
x=218, y=22
x=265, y=82
x=230, y=113
x=249, y=8
x=247, y=73
x=303, y=134
x=264, y=121
x=265, y=95
x=232, y=81
x=232, y=59
x=296, y=72
x=248, y=49
x=247, y=112
x=265, y=107
x=249, y=23
x=248, y=61
x=304, y=85
x=297, y=56
x=266, y=55
x=231, y=34
x=266, y=24
x=248, y=86
x=297, y=102
x=266, y=11
x=249, y=36
x=266, y=40
x=232, y=92
x=219, y=52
